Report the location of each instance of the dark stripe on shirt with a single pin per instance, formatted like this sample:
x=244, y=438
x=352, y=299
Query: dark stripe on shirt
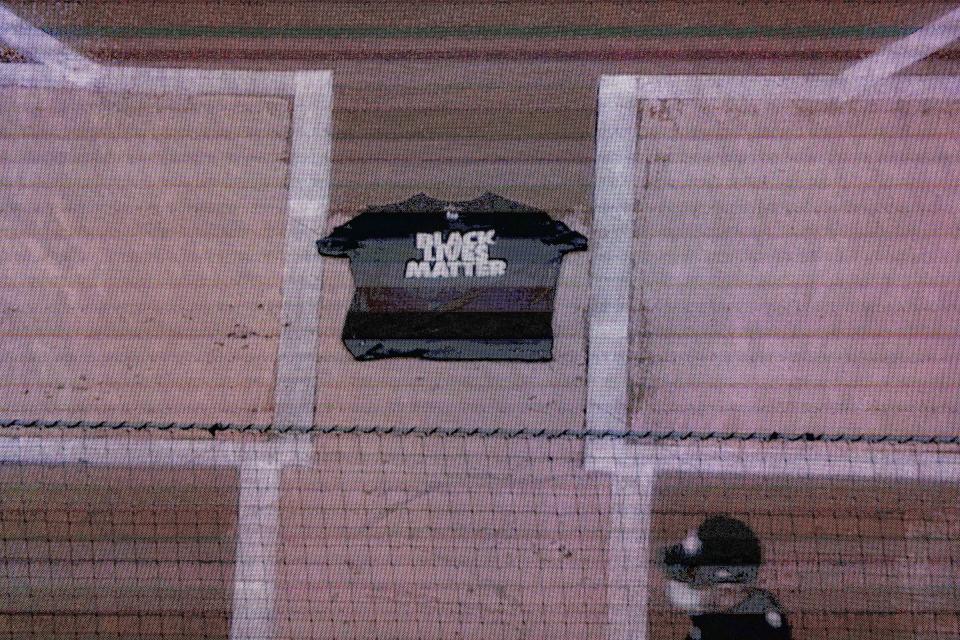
x=476, y=299
x=453, y=325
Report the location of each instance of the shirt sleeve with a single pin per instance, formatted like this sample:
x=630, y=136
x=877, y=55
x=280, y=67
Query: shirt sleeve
x=341, y=241
x=564, y=238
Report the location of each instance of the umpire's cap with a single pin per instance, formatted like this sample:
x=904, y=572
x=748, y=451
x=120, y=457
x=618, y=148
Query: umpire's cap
x=722, y=549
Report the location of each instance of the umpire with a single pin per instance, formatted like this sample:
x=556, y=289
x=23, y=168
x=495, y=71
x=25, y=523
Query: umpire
x=712, y=577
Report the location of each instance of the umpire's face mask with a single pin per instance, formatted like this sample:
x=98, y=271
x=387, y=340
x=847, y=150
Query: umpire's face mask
x=686, y=598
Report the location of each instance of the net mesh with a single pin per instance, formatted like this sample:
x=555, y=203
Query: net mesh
x=751, y=306
x=130, y=531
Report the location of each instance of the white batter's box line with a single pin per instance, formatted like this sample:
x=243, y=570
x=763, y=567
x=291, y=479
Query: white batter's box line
x=294, y=450
x=774, y=459
x=704, y=87
x=610, y=328
x=109, y=451
x=306, y=208
x=160, y=452
x=610, y=262
x=154, y=80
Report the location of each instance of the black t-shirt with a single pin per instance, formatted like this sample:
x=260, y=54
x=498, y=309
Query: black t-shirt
x=452, y=280
x=758, y=617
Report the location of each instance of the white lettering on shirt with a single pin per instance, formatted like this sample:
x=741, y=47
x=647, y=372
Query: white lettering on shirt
x=457, y=255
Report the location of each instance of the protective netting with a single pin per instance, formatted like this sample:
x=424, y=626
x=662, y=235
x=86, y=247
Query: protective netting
x=794, y=272
x=138, y=532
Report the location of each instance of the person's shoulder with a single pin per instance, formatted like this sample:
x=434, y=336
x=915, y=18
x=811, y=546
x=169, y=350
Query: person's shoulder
x=762, y=602
x=759, y=600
